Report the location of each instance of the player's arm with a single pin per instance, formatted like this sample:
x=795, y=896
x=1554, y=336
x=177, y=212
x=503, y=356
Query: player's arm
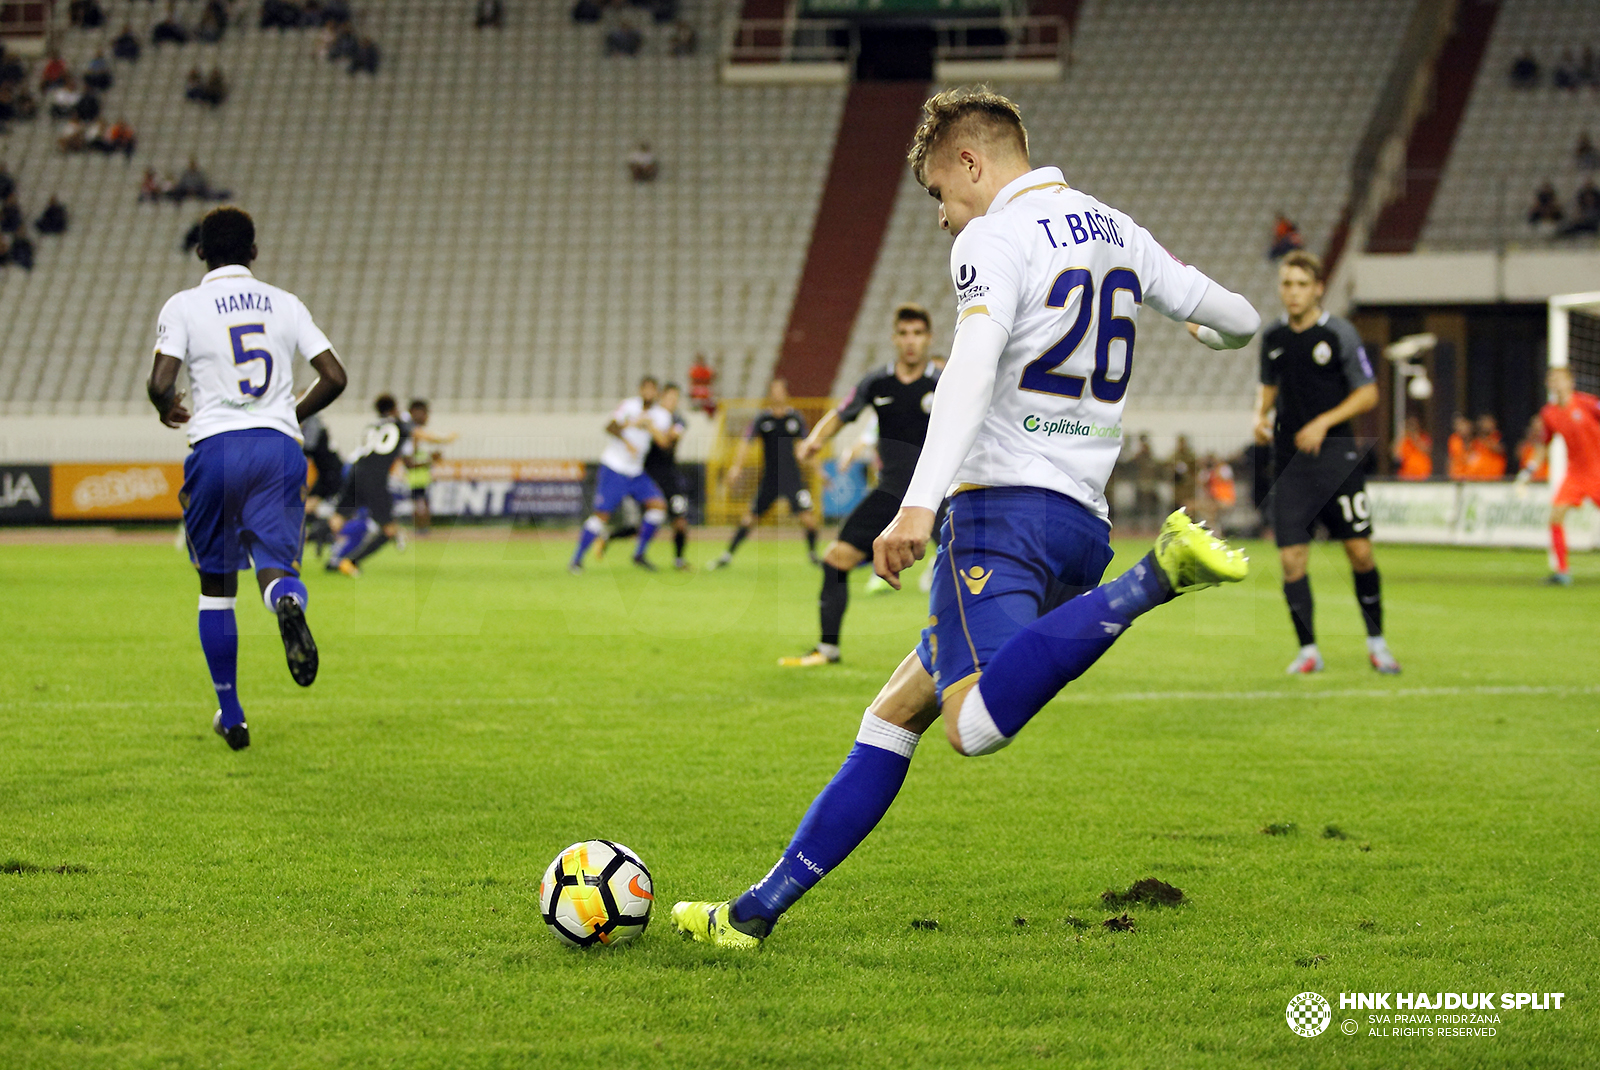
x=163, y=390
x=424, y=435
x=830, y=424
x=331, y=381
x=1266, y=403
x=736, y=469
x=668, y=438
x=959, y=403
x=1223, y=319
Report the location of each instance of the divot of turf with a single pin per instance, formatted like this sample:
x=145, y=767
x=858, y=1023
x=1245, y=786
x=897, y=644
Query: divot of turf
x=1019, y=921
x=1149, y=890
x=1120, y=924
x=1280, y=828
x=1333, y=832
x=1311, y=960
x=17, y=865
x=1076, y=922
x=929, y=924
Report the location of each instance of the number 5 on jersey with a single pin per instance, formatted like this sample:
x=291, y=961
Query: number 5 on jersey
x=242, y=356
x=1040, y=374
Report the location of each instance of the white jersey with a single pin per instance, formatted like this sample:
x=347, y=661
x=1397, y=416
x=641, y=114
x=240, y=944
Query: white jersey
x=1065, y=275
x=625, y=455
x=238, y=336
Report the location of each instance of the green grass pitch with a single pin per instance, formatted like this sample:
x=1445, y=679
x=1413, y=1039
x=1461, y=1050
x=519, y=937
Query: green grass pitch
x=359, y=887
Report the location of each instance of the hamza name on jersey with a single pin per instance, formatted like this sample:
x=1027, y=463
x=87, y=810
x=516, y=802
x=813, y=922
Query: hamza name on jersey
x=243, y=303
x=1087, y=227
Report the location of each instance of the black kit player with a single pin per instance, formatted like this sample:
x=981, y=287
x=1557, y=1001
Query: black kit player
x=902, y=396
x=778, y=427
x=364, y=520
x=318, y=448
x=661, y=465
x=1315, y=378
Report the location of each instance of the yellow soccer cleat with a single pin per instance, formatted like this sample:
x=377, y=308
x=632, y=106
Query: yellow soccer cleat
x=808, y=661
x=1195, y=559
x=708, y=923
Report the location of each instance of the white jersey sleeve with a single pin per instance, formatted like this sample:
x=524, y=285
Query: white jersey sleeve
x=1171, y=287
x=986, y=268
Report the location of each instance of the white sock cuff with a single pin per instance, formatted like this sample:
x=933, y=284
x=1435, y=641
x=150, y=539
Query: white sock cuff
x=208, y=602
x=979, y=734
x=885, y=736
x=595, y=525
x=655, y=516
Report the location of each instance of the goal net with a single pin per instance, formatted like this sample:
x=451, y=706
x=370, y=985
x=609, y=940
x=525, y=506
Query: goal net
x=725, y=503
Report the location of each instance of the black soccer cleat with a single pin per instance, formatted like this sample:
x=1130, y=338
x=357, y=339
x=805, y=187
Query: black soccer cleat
x=298, y=647
x=237, y=736
x=645, y=564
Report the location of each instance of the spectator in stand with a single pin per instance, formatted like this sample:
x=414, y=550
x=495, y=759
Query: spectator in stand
x=126, y=46
x=1566, y=72
x=1460, y=439
x=154, y=187
x=365, y=57
x=213, y=22
x=586, y=11
x=169, y=28
x=662, y=11
x=88, y=107
x=55, y=72
x=5, y=251
x=489, y=13
x=1546, y=206
x=684, y=40
x=120, y=138
x=1285, y=237
x=701, y=376
x=1220, y=491
x=1586, y=211
x=1584, y=155
x=342, y=42
x=1146, y=472
x=642, y=163
x=336, y=11
x=209, y=89
x=74, y=136
x=280, y=14
x=63, y=99
x=97, y=75
x=1185, y=475
x=53, y=220
x=1531, y=456
x=1486, y=454
x=10, y=214
x=8, y=105
x=1413, y=452
x=1525, y=70
x=86, y=14
x=624, y=40
x=22, y=251
x=191, y=183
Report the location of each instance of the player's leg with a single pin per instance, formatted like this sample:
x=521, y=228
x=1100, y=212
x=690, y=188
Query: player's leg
x=421, y=512
x=384, y=531
x=274, y=528
x=211, y=526
x=853, y=546
x=610, y=488
x=766, y=495
x=839, y=818
x=1302, y=609
x=1040, y=658
x=654, y=504
x=1559, y=574
x=1369, y=596
x=350, y=526
x=800, y=505
x=1297, y=501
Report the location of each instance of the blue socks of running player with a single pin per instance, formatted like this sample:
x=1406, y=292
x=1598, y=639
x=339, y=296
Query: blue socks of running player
x=1038, y=661
x=219, y=639
x=850, y=807
x=350, y=537
x=285, y=586
x=591, y=530
x=648, y=525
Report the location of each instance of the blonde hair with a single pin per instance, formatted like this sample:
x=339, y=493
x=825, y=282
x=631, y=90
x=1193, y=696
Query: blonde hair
x=973, y=112
x=1310, y=263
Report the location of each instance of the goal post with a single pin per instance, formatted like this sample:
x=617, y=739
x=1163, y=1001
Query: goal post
x=1573, y=343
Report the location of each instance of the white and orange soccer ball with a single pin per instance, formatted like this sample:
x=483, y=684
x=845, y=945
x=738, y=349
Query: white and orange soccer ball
x=596, y=892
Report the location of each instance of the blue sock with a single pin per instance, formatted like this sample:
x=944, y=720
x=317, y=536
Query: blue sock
x=1034, y=665
x=647, y=531
x=285, y=585
x=586, y=535
x=350, y=537
x=219, y=639
x=850, y=807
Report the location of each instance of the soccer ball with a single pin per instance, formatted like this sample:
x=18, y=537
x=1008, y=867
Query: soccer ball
x=596, y=892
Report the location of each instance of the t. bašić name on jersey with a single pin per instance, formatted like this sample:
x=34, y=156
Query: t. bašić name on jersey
x=1082, y=228
x=243, y=303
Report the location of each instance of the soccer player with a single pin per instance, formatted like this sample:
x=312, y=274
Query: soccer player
x=661, y=465
x=1025, y=430
x=364, y=520
x=779, y=426
x=318, y=448
x=419, y=468
x=1575, y=416
x=632, y=429
x=901, y=394
x=1315, y=379
x=244, y=480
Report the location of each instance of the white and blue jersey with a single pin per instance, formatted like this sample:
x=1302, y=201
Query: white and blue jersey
x=622, y=473
x=244, y=480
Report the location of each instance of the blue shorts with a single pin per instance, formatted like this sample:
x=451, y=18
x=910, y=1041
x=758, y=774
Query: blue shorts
x=1007, y=556
x=243, y=498
x=613, y=486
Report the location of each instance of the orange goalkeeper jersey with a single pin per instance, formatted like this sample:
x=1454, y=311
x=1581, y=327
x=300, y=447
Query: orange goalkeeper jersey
x=1578, y=422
